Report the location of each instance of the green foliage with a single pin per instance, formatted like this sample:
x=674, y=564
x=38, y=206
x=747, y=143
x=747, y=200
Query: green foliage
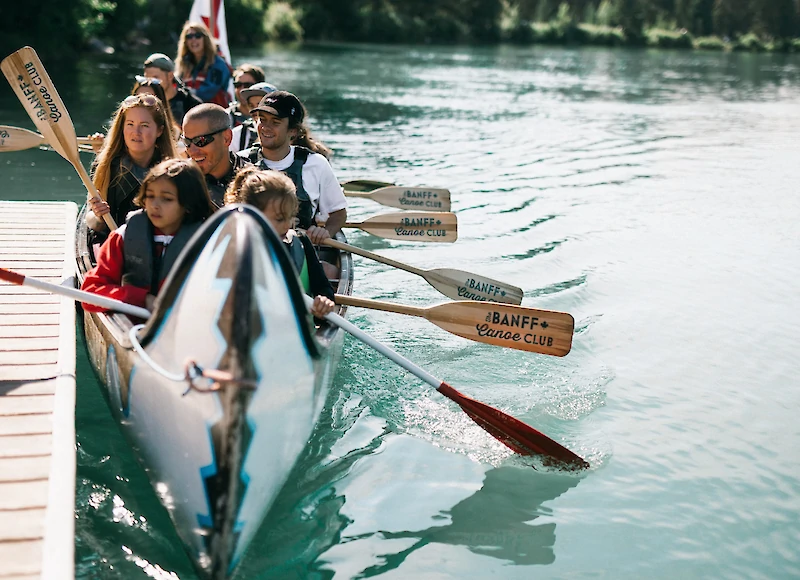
x=58, y=29
x=749, y=42
x=659, y=38
x=597, y=35
x=281, y=23
x=606, y=13
x=710, y=43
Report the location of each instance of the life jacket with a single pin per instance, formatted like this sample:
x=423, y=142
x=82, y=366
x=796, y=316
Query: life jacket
x=298, y=254
x=142, y=268
x=305, y=211
x=198, y=77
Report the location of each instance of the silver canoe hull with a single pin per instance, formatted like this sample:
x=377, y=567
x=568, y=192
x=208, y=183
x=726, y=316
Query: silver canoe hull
x=218, y=459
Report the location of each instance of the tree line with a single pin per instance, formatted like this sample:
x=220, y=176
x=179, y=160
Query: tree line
x=61, y=29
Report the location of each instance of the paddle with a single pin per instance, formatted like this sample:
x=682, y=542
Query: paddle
x=358, y=185
x=422, y=198
x=517, y=327
x=19, y=139
x=75, y=294
x=455, y=284
x=411, y=226
x=34, y=89
x=511, y=432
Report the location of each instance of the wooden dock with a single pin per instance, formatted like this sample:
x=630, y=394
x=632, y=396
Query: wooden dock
x=37, y=394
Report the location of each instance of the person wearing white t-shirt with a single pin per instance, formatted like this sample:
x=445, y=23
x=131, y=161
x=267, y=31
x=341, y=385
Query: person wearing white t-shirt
x=321, y=198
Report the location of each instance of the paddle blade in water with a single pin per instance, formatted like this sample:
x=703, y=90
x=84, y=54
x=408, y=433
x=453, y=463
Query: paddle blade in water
x=412, y=226
x=460, y=285
x=530, y=329
x=18, y=139
x=513, y=433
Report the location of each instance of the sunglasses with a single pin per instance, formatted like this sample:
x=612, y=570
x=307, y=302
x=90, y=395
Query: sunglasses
x=201, y=140
x=193, y=35
x=145, y=99
x=243, y=85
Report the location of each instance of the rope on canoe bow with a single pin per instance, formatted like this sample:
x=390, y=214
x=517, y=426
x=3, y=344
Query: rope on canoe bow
x=191, y=371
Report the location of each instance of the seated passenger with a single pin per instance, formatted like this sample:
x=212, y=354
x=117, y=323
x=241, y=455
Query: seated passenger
x=136, y=258
x=136, y=141
x=274, y=194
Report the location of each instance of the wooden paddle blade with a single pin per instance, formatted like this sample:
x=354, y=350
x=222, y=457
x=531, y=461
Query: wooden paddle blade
x=530, y=329
x=460, y=285
x=32, y=85
x=412, y=226
x=357, y=185
x=513, y=433
x=413, y=198
x=18, y=139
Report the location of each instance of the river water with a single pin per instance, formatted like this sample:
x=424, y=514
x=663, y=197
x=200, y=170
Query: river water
x=651, y=194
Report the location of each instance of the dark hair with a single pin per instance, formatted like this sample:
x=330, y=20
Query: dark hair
x=259, y=187
x=190, y=183
x=250, y=69
x=304, y=138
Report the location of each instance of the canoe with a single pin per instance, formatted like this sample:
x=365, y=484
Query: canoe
x=218, y=453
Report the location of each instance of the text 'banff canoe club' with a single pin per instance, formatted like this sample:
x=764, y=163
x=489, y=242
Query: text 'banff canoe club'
x=34, y=98
x=420, y=227
x=494, y=319
x=471, y=287
x=420, y=199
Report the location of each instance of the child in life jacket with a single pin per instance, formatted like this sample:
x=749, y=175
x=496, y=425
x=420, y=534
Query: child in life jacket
x=274, y=194
x=136, y=258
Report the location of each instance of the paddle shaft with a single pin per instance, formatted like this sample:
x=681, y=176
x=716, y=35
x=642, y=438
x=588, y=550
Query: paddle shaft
x=74, y=293
x=19, y=139
x=377, y=257
x=380, y=305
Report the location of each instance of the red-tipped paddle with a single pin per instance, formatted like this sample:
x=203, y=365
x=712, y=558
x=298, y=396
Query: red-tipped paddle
x=512, y=432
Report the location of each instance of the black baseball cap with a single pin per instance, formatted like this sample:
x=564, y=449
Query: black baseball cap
x=282, y=104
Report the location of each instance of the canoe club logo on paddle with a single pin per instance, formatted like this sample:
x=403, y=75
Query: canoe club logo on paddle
x=420, y=227
x=495, y=321
x=420, y=199
x=38, y=92
x=480, y=291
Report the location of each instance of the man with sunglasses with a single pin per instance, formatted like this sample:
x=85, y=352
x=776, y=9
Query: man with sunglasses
x=279, y=116
x=207, y=135
x=161, y=67
x=244, y=77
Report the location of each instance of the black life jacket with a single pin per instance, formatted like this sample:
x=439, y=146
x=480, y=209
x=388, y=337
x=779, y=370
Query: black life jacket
x=142, y=268
x=298, y=253
x=305, y=212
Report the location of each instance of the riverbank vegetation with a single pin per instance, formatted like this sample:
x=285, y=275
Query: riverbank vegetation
x=61, y=28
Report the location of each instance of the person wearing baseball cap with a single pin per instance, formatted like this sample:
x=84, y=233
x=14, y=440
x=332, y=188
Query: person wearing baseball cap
x=245, y=134
x=279, y=119
x=245, y=76
x=161, y=67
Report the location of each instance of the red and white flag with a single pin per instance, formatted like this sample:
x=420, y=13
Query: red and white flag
x=201, y=12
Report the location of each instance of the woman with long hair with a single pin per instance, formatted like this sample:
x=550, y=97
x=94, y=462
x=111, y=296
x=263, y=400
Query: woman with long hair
x=200, y=67
x=139, y=138
x=153, y=86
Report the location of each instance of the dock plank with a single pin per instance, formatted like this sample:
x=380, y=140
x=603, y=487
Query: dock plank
x=37, y=394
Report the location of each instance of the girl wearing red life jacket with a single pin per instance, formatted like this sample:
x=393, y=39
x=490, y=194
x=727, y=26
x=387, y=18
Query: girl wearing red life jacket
x=136, y=258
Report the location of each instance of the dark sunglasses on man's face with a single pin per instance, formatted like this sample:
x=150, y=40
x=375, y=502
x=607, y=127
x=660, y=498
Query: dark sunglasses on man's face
x=243, y=85
x=193, y=35
x=201, y=140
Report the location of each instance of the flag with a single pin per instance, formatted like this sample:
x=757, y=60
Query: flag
x=201, y=12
